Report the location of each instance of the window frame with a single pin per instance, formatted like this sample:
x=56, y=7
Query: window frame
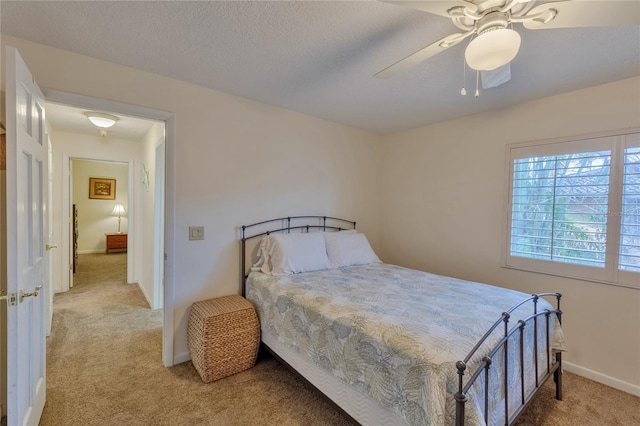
x=616, y=141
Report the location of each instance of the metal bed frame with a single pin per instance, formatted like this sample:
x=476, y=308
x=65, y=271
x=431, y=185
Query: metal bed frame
x=328, y=223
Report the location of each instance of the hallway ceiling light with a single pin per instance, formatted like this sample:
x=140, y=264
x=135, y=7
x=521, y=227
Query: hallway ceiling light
x=101, y=120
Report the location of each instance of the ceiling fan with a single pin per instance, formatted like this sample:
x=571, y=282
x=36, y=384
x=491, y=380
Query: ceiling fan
x=490, y=22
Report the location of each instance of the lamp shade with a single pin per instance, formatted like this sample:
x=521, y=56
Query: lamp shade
x=118, y=210
x=492, y=49
x=101, y=120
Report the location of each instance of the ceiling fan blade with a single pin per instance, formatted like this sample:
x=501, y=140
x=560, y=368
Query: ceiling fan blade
x=435, y=7
x=423, y=54
x=587, y=14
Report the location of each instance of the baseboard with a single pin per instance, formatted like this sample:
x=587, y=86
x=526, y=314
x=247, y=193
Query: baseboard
x=90, y=251
x=602, y=378
x=146, y=296
x=181, y=357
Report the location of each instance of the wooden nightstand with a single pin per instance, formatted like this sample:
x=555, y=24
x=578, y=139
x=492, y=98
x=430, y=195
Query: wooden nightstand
x=116, y=242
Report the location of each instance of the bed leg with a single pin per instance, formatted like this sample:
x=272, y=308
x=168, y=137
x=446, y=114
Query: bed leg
x=557, y=376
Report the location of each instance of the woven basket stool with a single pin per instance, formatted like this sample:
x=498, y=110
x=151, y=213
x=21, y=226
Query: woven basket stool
x=223, y=336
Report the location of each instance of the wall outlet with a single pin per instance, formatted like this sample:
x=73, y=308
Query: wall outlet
x=196, y=233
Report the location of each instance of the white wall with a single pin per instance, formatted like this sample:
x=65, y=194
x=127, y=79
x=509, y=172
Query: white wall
x=443, y=187
x=94, y=215
x=236, y=162
x=67, y=146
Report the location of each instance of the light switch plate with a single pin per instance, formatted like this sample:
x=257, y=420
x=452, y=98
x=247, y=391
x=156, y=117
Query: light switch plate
x=196, y=233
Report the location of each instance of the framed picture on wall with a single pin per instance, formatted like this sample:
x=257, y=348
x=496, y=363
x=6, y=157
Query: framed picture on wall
x=102, y=189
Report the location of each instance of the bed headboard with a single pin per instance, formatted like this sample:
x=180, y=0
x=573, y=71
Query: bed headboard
x=284, y=225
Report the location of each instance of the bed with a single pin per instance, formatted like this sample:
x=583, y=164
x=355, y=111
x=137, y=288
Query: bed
x=390, y=345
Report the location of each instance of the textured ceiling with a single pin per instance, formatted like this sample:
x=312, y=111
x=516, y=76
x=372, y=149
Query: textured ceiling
x=319, y=57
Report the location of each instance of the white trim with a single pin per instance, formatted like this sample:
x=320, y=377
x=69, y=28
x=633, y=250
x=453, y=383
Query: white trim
x=170, y=185
x=132, y=225
x=182, y=357
x=602, y=378
x=573, y=138
x=614, y=141
x=145, y=294
x=158, y=224
x=66, y=240
x=168, y=358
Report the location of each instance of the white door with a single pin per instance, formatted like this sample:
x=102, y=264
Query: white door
x=26, y=261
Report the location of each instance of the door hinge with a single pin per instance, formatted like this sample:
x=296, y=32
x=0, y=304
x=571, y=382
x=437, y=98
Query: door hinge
x=71, y=266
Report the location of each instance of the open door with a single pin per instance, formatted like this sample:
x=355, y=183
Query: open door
x=27, y=172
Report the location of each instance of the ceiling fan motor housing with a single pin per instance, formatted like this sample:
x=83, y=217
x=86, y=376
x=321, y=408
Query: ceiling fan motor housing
x=492, y=21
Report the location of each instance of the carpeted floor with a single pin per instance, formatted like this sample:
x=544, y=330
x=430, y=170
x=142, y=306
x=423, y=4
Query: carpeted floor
x=104, y=368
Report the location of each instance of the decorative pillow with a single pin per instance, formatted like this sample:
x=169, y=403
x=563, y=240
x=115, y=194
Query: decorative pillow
x=348, y=249
x=264, y=256
x=294, y=253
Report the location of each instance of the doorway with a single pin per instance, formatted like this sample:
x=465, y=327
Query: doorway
x=143, y=203
x=99, y=224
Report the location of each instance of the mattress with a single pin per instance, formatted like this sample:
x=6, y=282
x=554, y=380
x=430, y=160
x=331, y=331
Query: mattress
x=394, y=334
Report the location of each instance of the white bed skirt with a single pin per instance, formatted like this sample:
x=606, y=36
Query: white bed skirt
x=361, y=407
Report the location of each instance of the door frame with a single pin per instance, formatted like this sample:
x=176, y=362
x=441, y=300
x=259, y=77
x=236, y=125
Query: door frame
x=88, y=102
x=158, y=227
x=68, y=201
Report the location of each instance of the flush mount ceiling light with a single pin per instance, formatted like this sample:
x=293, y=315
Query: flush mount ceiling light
x=101, y=120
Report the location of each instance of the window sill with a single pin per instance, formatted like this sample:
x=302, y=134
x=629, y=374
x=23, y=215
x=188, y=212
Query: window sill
x=574, y=277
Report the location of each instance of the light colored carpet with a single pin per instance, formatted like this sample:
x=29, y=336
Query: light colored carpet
x=104, y=368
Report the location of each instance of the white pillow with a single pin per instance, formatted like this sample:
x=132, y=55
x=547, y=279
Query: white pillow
x=348, y=249
x=295, y=253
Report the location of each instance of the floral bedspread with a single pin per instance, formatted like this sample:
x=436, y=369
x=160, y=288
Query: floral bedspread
x=395, y=333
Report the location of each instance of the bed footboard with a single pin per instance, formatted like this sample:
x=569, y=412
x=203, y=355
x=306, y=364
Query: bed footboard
x=552, y=368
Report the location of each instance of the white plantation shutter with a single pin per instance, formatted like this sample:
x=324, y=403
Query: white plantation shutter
x=559, y=207
x=630, y=213
x=573, y=208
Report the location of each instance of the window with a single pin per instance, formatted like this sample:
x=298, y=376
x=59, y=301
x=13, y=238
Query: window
x=574, y=208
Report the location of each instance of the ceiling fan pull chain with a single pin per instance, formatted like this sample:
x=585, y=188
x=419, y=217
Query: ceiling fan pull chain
x=477, y=84
x=463, y=92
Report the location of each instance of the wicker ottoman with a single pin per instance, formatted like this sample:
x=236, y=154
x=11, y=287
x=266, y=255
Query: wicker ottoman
x=223, y=336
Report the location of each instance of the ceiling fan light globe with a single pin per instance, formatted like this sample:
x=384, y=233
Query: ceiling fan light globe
x=492, y=49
